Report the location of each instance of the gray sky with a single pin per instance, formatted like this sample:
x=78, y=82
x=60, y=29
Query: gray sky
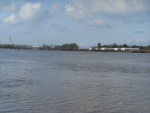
x=85, y=22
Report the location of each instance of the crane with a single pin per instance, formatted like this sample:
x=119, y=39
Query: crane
x=11, y=42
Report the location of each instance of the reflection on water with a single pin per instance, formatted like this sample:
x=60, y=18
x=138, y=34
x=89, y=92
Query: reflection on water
x=74, y=82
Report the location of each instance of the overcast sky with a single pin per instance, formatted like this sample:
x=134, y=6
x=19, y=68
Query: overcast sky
x=85, y=22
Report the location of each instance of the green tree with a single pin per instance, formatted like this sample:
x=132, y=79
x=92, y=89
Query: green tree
x=99, y=45
x=73, y=46
x=125, y=45
x=70, y=47
x=114, y=45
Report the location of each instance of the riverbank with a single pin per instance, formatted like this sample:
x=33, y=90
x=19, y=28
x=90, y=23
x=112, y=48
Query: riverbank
x=75, y=47
x=82, y=50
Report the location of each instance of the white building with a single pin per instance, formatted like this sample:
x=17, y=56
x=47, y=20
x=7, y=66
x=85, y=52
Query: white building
x=130, y=49
x=116, y=49
x=107, y=49
x=90, y=49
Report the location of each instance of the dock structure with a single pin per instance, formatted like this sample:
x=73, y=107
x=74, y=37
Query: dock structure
x=16, y=46
x=35, y=47
x=22, y=46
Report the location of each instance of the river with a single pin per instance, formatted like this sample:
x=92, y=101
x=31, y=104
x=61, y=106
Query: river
x=34, y=81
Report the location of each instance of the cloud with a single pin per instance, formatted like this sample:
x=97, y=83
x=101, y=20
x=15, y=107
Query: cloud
x=82, y=9
x=29, y=12
x=74, y=12
x=56, y=7
x=99, y=23
x=95, y=12
x=12, y=19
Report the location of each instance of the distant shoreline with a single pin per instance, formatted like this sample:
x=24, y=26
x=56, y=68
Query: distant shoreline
x=74, y=47
x=80, y=50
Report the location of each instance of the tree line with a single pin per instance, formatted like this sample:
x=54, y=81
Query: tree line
x=65, y=47
x=75, y=47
